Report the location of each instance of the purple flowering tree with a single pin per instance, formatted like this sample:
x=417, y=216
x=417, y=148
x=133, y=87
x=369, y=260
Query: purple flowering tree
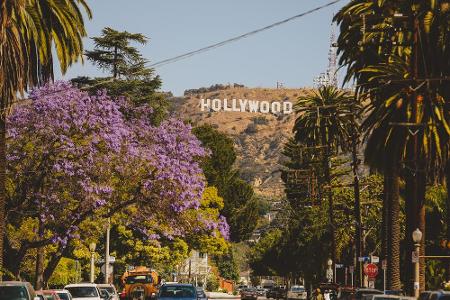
x=72, y=157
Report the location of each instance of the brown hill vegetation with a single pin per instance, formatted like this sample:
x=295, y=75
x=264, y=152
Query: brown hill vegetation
x=259, y=138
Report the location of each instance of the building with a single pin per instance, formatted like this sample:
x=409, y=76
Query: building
x=194, y=269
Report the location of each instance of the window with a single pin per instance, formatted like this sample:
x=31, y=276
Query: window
x=13, y=292
x=176, y=291
x=139, y=279
x=83, y=291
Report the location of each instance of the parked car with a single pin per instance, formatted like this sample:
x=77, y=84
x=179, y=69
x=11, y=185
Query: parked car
x=425, y=295
x=440, y=295
x=297, y=292
x=241, y=287
x=261, y=291
x=48, y=295
x=201, y=295
x=17, y=290
x=249, y=293
x=391, y=297
x=178, y=291
x=360, y=293
x=64, y=294
x=278, y=292
x=110, y=289
x=84, y=291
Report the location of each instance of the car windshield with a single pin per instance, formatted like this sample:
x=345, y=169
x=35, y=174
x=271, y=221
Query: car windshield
x=139, y=279
x=177, y=291
x=83, y=291
x=444, y=297
x=297, y=289
x=109, y=289
x=64, y=296
x=13, y=293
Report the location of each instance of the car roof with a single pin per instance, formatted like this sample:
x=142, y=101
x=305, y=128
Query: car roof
x=105, y=285
x=81, y=285
x=62, y=291
x=178, y=284
x=14, y=283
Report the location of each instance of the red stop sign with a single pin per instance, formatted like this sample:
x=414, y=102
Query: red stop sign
x=371, y=270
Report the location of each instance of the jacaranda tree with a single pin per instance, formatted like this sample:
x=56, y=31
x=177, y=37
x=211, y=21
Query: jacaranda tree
x=72, y=157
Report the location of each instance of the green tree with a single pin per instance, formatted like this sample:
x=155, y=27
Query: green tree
x=129, y=77
x=407, y=123
x=28, y=31
x=325, y=121
x=240, y=205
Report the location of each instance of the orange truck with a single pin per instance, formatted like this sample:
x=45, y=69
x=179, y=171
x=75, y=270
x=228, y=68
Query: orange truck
x=139, y=283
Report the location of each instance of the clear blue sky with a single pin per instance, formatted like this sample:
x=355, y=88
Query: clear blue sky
x=293, y=53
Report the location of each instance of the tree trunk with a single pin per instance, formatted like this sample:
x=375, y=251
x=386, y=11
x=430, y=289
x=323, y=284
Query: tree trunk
x=447, y=181
x=39, y=279
x=357, y=209
x=393, y=228
x=54, y=261
x=2, y=188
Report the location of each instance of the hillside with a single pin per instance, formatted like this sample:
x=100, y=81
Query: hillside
x=259, y=138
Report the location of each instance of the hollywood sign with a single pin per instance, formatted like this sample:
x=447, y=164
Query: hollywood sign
x=244, y=105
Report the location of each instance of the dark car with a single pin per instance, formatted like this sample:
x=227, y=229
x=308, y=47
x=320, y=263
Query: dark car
x=278, y=292
x=201, y=295
x=15, y=290
x=360, y=293
x=177, y=291
x=440, y=295
x=249, y=293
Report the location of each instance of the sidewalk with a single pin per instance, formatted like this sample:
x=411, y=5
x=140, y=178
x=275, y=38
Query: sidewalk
x=217, y=295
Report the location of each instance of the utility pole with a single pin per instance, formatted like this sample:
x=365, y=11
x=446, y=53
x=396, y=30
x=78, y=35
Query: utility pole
x=108, y=229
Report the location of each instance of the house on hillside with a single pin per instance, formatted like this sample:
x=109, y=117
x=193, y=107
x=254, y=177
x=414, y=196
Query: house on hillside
x=194, y=269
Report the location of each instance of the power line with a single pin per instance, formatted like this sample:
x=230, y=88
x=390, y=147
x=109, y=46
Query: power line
x=239, y=37
x=207, y=48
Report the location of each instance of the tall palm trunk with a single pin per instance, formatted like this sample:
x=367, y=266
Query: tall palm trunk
x=2, y=188
x=447, y=181
x=393, y=226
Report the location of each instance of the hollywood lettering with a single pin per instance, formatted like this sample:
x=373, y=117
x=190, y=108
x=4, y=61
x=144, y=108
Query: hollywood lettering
x=245, y=105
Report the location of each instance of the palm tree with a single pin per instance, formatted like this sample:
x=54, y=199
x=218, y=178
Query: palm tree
x=407, y=120
x=324, y=120
x=28, y=31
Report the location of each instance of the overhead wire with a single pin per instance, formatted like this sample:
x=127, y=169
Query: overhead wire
x=204, y=49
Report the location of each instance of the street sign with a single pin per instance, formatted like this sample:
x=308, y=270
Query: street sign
x=414, y=257
x=371, y=284
x=371, y=270
x=363, y=258
x=339, y=266
x=384, y=264
x=374, y=259
x=352, y=269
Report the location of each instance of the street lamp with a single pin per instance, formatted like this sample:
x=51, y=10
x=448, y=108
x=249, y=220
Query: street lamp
x=417, y=238
x=330, y=270
x=92, y=247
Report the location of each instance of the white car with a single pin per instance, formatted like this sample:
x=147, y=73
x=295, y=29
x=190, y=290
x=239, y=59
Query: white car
x=84, y=291
x=110, y=289
x=297, y=292
x=64, y=294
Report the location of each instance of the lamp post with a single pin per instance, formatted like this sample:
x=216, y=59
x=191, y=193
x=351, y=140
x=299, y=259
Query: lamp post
x=417, y=238
x=92, y=249
x=330, y=270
